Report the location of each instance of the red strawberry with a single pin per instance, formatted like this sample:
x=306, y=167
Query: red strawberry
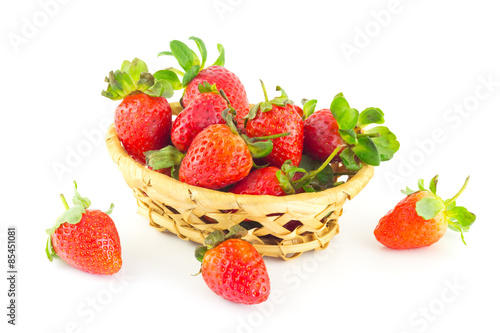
x=196, y=73
x=233, y=269
x=216, y=158
x=144, y=117
x=86, y=239
x=321, y=135
x=421, y=219
x=274, y=117
x=203, y=111
x=259, y=182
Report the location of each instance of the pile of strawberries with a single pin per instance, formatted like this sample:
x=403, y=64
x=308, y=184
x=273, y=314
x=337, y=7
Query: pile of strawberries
x=221, y=142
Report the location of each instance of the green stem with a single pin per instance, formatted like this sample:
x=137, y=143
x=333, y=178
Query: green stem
x=265, y=92
x=461, y=190
x=65, y=203
x=304, y=180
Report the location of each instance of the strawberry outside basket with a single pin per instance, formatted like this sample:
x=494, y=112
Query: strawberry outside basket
x=193, y=212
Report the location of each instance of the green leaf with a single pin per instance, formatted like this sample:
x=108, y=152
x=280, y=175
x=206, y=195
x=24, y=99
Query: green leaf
x=136, y=68
x=421, y=185
x=183, y=54
x=206, y=87
x=165, y=53
x=349, y=159
x=260, y=149
x=200, y=252
x=166, y=157
x=367, y=151
x=214, y=238
x=202, y=49
x=462, y=216
x=347, y=119
x=284, y=182
x=78, y=199
x=236, y=231
x=371, y=116
x=49, y=250
x=221, y=60
x=125, y=82
x=145, y=81
x=429, y=207
x=433, y=184
x=407, y=191
x=110, y=210
x=161, y=88
x=339, y=104
x=190, y=74
x=266, y=106
x=349, y=136
x=170, y=76
x=387, y=143
x=309, y=107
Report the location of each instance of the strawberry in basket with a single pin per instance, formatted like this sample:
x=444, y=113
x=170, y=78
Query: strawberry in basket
x=144, y=118
x=205, y=110
x=277, y=116
x=85, y=238
x=217, y=157
x=232, y=268
x=345, y=127
x=195, y=74
x=422, y=217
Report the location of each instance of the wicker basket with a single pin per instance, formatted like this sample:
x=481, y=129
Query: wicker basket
x=192, y=212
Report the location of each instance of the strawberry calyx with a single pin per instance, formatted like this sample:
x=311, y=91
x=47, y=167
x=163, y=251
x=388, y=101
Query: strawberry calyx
x=189, y=60
x=458, y=218
x=134, y=78
x=217, y=237
x=267, y=105
x=71, y=215
x=166, y=157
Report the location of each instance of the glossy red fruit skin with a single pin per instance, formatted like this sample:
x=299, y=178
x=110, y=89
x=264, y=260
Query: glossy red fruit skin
x=143, y=123
x=91, y=245
x=298, y=109
x=216, y=158
x=279, y=120
x=403, y=228
x=235, y=271
x=260, y=182
x=203, y=111
x=223, y=79
x=321, y=136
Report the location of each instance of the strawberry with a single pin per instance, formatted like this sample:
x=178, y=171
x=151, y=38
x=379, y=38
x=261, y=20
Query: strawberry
x=232, y=268
x=345, y=127
x=85, y=238
x=195, y=74
x=203, y=111
x=422, y=217
x=143, y=119
x=216, y=158
x=321, y=135
x=273, y=117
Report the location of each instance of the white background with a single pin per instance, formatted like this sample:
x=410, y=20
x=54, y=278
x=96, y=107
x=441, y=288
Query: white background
x=421, y=62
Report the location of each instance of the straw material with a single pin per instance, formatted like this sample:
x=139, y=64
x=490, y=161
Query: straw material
x=192, y=212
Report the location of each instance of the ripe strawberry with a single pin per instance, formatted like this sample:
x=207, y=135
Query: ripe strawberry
x=216, y=158
x=274, y=117
x=86, y=239
x=421, y=218
x=345, y=127
x=321, y=135
x=144, y=117
x=196, y=73
x=233, y=269
x=203, y=111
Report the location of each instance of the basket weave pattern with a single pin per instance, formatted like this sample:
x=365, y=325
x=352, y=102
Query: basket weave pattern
x=192, y=212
